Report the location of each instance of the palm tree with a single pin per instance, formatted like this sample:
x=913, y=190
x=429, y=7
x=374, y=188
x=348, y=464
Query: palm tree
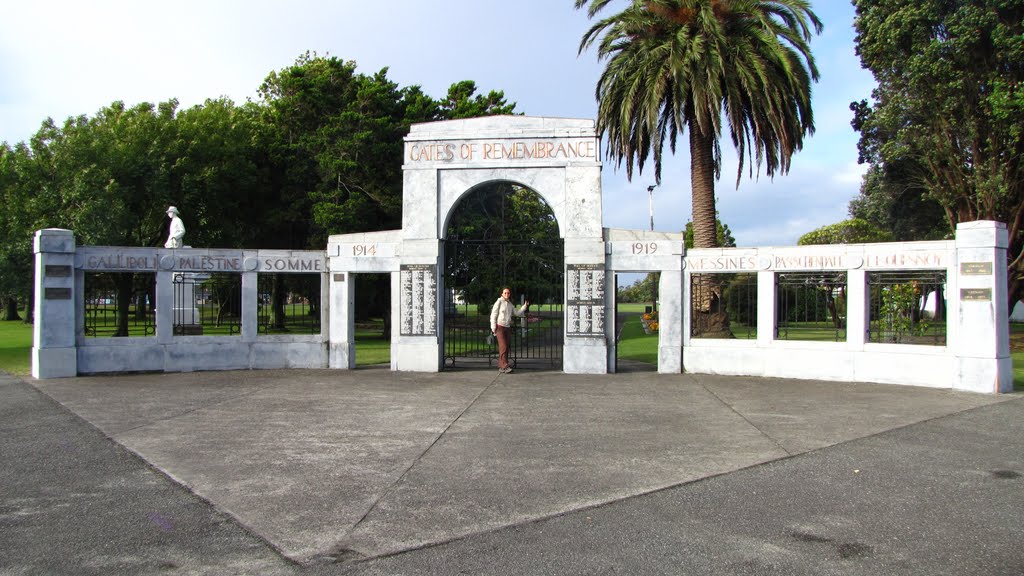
x=675, y=65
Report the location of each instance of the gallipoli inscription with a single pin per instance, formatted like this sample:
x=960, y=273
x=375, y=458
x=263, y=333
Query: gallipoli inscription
x=419, y=296
x=127, y=262
x=501, y=150
x=585, y=300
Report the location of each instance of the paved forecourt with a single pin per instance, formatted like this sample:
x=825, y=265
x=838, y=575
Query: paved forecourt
x=329, y=465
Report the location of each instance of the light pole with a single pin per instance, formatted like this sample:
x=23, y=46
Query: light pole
x=650, y=193
x=654, y=277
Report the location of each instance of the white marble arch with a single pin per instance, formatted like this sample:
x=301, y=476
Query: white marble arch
x=558, y=158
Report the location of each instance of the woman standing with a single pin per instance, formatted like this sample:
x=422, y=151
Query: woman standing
x=501, y=325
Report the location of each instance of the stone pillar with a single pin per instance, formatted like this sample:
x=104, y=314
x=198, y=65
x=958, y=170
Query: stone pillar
x=54, y=334
x=420, y=314
x=341, y=351
x=165, y=301
x=670, y=322
x=611, y=322
x=978, y=309
x=250, y=307
x=766, y=311
x=585, y=350
x=857, y=309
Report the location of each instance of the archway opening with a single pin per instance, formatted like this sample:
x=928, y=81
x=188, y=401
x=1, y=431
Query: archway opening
x=502, y=234
x=372, y=320
x=636, y=322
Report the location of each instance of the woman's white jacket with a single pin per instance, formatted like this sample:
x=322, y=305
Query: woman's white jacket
x=502, y=311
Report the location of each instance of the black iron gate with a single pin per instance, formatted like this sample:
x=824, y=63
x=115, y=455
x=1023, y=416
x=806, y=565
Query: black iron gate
x=475, y=273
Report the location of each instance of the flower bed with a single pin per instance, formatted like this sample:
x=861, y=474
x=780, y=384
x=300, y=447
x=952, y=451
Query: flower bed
x=650, y=322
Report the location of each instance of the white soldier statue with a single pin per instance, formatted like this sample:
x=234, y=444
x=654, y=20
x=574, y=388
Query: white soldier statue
x=177, y=231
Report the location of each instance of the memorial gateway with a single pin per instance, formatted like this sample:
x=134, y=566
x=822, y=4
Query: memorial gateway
x=559, y=160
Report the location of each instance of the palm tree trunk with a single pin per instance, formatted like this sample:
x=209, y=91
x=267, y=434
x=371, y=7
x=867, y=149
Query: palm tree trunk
x=702, y=185
x=709, y=316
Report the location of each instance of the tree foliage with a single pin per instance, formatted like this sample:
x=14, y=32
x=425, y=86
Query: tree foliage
x=681, y=65
x=946, y=122
x=905, y=210
x=852, y=231
x=335, y=140
x=502, y=234
x=15, y=222
x=320, y=153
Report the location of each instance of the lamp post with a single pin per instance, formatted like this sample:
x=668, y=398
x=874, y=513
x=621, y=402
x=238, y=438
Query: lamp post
x=653, y=276
x=650, y=193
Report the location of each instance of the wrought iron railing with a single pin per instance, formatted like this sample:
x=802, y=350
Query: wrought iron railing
x=207, y=304
x=907, y=307
x=810, y=306
x=289, y=303
x=120, y=304
x=723, y=305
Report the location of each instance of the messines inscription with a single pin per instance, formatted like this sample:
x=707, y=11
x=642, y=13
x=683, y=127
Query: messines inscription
x=418, y=299
x=585, y=300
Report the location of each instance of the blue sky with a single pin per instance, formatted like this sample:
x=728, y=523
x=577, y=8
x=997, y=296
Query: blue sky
x=63, y=58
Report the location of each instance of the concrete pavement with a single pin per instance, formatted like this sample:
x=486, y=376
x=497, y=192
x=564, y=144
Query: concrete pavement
x=370, y=471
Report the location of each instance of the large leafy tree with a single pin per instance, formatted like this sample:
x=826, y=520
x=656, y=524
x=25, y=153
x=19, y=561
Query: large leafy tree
x=107, y=177
x=852, y=231
x=946, y=122
x=684, y=65
x=462, y=101
x=16, y=186
x=320, y=154
x=907, y=211
x=110, y=178
x=219, y=176
x=335, y=143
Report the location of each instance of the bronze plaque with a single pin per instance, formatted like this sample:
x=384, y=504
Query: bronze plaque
x=57, y=294
x=976, y=294
x=976, y=268
x=339, y=277
x=57, y=271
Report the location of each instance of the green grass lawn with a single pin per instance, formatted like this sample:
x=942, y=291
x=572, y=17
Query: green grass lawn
x=635, y=344
x=16, y=347
x=371, y=347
